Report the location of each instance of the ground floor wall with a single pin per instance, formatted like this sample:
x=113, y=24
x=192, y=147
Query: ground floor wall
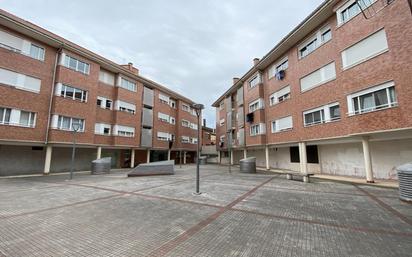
x=18, y=160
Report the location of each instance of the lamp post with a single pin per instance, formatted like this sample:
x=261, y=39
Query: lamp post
x=75, y=127
x=198, y=108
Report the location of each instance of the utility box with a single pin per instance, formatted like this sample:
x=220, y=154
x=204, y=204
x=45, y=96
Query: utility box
x=101, y=166
x=248, y=165
x=405, y=182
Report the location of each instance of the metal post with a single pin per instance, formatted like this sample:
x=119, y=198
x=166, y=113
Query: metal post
x=198, y=108
x=73, y=154
x=75, y=128
x=198, y=155
x=180, y=158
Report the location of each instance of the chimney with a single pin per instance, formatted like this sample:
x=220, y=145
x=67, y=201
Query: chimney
x=255, y=61
x=130, y=67
x=235, y=80
x=204, y=122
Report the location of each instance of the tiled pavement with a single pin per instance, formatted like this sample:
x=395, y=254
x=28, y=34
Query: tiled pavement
x=238, y=215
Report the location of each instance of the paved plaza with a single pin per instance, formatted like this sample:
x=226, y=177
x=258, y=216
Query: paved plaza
x=237, y=215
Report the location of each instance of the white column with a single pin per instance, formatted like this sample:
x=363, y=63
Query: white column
x=99, y=152
x=244, y=153
x=303, y=158
x=47, y=160
x=231, y=157
x=168, y=154
x=184, y=157
x=367, y=160
x=267, y=157
x=218, y=158
x=148, y=156
x=132, y=156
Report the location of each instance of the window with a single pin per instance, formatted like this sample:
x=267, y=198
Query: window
x=164, y=99
x=319, y=38
x=326, y=113
x=282, y=124
x=185, y=107
x=77, y=65
x=280, y=96
x=163, y=136
x=37, y=52
x=185, y=123
x=123, y=131
x=104, y=103
x=172, y=103
x=71, y=92
x=66, y=123
x=311, y=154
x=222, y=105
x=106, y=77
x=185, y=139
x=19, y=81
x=376, y=98
x=279, y=66
x=222, y=138
x=193, y=126
x=364, y=50
x=21, y=46
x=318, y=77
x=163, y=117
x=125, y=107
x=254, y=81
x=193, y=140
x=257, y=129
x=222, y=122
x=172, y=120
x=256, y=105
x=351, y=9
x=127, y=84
x=16, y=117
x=102, y=129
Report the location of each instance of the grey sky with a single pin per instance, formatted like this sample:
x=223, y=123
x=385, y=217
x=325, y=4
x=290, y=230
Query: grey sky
x=193, y=47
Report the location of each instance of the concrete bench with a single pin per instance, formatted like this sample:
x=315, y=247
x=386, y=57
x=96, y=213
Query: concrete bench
x=305, y=177
x=153, y=168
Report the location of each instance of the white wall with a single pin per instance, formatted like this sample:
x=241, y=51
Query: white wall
x=347, y=159
x=260, y=156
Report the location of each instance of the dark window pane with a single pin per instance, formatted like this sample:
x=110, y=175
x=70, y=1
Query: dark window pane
x=334, y=112
x=312, y=153
x=392, y=94
x=308, y=118
x=72, y=63
x=69, y=92
x=381, y=99
x=294, y=154
x=78, y=94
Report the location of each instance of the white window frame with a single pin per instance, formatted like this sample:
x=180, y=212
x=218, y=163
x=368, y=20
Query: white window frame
x=222, y=105
x=164, y=136
x=322, y=75
x=283, y=64
x=257, y=129
x=184, y=123
x=319, y=41
x=14, y=117
x=63, y=87
x=274, y=98
x=344, y=7
x=386, y=85
x=101, y=126
x=104, y=102
x=163, y=117
x=252, y=79
x=222, y=122
x=66, y=64
x=259, y=103
x=277, y=129
x=60, y=123
x=26, y=47
x=127, y=84
x=325, y=118
x=185, y=107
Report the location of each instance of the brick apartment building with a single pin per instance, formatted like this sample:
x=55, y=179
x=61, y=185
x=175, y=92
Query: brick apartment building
x=208, y=135
x=332, y=97
x=48, y=83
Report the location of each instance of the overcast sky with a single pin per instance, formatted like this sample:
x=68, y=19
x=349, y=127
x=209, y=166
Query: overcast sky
x=193, y=47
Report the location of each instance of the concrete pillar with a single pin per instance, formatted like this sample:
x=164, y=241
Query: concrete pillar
x=132, y=156
x=231, y=157
x=99, y=152
x=367, y=160
x=267, y=157
x=303, y=158
x=47, y=161
x=219, y=161
x=168, y=154
x=148, y=156
x=184, y=157
x=244, y=153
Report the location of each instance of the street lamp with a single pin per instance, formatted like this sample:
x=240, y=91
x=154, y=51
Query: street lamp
x=198, y=108
x=75, y=127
